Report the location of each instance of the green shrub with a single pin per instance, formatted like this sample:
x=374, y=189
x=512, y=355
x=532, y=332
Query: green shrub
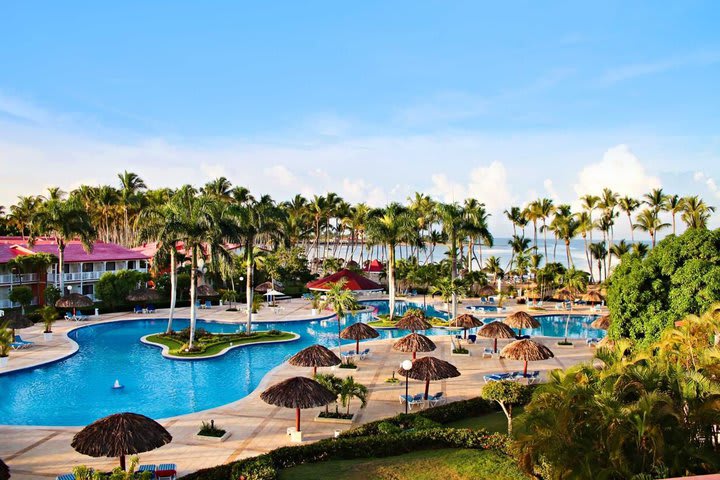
x=52, y=294
x=22, y=295
x=114, y=287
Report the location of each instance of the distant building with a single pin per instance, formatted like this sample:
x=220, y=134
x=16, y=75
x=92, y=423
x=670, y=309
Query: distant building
x=82, y=270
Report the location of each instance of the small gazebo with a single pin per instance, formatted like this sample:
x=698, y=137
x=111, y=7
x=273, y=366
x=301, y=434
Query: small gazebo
x=315, y=356
x=359, y=331
x=119, y=435
x=206, y=291
x=429, y=369
x=17, y=321
x=496, y=330
x=414, y=343
x=298, y=393
x=527, y=351
x=486, y=291
x=466, y=322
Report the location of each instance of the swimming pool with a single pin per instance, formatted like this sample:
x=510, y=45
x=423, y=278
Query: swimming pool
x=76, y=391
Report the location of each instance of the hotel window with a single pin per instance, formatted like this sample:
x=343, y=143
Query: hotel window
x=66, y=268
x=131, y=265
x=88, y=289
x=110, y=266
x=88, y=267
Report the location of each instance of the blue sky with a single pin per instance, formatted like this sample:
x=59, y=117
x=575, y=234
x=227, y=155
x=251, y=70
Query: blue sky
x=374, y=100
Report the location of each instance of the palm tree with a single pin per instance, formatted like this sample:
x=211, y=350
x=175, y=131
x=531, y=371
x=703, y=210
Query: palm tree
x=566, y=228
x=130, y=185
x=629, y=205
x=649, y=221
x=620, y=249
x=674, y=204
x=599, y=252
x=518, y=245
x=22, y=214
x=341, y=300
x=493, y=267
x=350, y=389
x=515, y=215
x=584, y=227
x=219, y=189
x=453, y=224
x=546, y=209
x=476, y=228
x=656, y=199
x=64, y=220
x=589, y=203
x=533, y=213
x=389, y=226
x=640, y=249
x=695, y=212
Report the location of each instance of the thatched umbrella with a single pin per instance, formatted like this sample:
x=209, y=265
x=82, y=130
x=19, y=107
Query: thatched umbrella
x=496, y=330
x=527, y=351
x=487, y=291
x=414, y=343
x=565, y=294
x=4, y=471
x=74, y=300
x=359, y=331
x=412, y=320
x=297, y=393
x=430, y=368
x=315, y=356
x=602, y=323
x=521, y=320
x=206, y=291
x=119, y=435
x=465, y=321
x=265, y=286
x=593, y=296
x=16, y=321
x=144, y=295
x=533, y=295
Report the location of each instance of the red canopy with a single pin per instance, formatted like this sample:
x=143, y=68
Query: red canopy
x=353, y=281
x=374, y=266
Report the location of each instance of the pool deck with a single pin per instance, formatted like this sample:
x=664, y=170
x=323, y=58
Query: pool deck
x=44, y=452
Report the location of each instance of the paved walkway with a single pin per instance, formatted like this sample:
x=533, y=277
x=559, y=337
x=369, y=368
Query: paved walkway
x=44, y=452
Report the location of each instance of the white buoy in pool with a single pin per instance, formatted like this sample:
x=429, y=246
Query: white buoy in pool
x=117, y=385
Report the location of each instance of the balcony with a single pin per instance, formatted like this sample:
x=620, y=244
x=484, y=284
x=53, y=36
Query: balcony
x=9, y=304
x=83, y=276
x=9, y=278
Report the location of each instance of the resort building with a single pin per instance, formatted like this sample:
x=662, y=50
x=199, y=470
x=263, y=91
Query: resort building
x=81, y=270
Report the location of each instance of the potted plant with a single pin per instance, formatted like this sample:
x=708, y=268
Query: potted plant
x=6, y=340
x=211, y=432
x=315, y=302
x=49, y=315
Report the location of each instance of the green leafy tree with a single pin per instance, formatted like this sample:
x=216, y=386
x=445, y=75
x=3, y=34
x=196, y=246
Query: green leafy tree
x=22, y=295
x=114, y=287
x=507, y=393
x=52, y=294
x=341, y=301
x=331, y=382
x=350, y=389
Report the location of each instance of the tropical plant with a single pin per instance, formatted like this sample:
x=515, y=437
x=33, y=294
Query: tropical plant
x=22, y=295
x=350, y=389
x=49, y=315
x=507, y=393
x=331, y=382
x=341, y=300
x=6, y=339
x=649, y=221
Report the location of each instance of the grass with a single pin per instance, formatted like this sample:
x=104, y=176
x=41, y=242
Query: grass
x=218, y=346
x=447, y=464
x=492, y=422
x=383, y=321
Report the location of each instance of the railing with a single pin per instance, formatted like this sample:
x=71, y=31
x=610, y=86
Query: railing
x=78, y=276
x=17, y=279
x=9, y=304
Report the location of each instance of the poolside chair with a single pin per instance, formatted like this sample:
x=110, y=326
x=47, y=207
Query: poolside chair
x=364, y=354
x=67, y=476
x=80, y=317
x=138, y=309
x=22, y=342
x=592, y=342
x=349, y=354
x=197, y=304
x=558, y=306
x=488, y=352
x=437, y=399
x=531, y=377
x=472, y=338
x=151, y=309
x=208, y=304
x=166, y=471
x=147, y=468
x=496, y=377
x=69, y=316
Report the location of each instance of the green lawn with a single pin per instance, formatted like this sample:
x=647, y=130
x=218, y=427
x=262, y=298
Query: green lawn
x=492, y=422
x=444, y=464
x=383, y=321
x=174, y=345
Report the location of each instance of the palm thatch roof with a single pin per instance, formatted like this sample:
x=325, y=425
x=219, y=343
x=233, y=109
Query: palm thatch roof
x=17, y=320
x=119, y=435
x=496, y=330
x=602, y=323
x=521, y=320
x=4, y=471
x=74, y=300
x=565, y=294
x=465, y=321
x=206, y=291
x=298, y=392
x=533, y=295
x=413, y=320
x=414, y=342
x=593, y=296
x=526, y=350
x=359, y=331
x=143, y=295
x=486, y=291
x=266, y=286
x=314, y=356
x=430, y=369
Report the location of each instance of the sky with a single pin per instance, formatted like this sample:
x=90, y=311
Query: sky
x=374, y=100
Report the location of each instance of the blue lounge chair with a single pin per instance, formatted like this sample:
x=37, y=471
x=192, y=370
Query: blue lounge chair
x=151, y=309
x=69, y=316
x=437, y=399
x=522, y=337
x=531, y=377
x=25, y=343
x=496, y=377
x=67, y=476
x=208, y=304
x=472, y=338
x=349, y=354
x=488, y=352
x=147, y=468
x=197, y=304
x=364, y=354
x=80, y=317
x=138, y=309
x=166, y=471
x=592, y=342
x=411, y=400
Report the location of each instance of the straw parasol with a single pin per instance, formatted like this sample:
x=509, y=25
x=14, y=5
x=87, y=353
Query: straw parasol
x=4, y=471
x=602, y=323
x=359, y=331
x=565, y=294
x=465, y=321
x=414, y=343
x=314, y=356
x=144, y=295
x=119, y=435
x=206, y=291
x=533, y=295
x=265, y=286
x=521, y=320
x=412, y=320
x=16, y=321
x=496, y=330
x=297, y=393
x=430, y=368
x=527, y=351
x=74, y=300
x=593, y=296
x=486, y=291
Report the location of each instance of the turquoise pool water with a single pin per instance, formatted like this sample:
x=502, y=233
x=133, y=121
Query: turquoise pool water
x=76, y=390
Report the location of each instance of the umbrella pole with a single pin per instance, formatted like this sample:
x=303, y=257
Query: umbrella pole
x=496, y=345
x=122, y=462
x=357, y=346
x=297, y=419
x=465, y=333
x=525, y=371
x=427, y=388
x=314, y=371
x=414, y=354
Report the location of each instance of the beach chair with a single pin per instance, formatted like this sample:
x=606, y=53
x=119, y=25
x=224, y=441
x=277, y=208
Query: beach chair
x=592, y=342
x=208, y=304
x=198, y=304
x=151, y=309
x=558, y=306
x=472, y=338
x=487, y=352
x=364, y=354
x=437, y=399
x=350, y=354
x=496, y=377
x=67, y=476
x=137, y=309
x=147, y=468
x=24, y=343
x=80, y=317
x=166, y=471
x=69, y=316
x=531, y=377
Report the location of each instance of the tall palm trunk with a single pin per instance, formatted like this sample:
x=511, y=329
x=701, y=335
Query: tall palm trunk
x=567, y=252
x=391, y=279
x=249, y=282
x=453, y=270
x=471, y=253
x=173, y=287
x=589, y=261
x=61, y=267
x=193, y=294
x=632, y=229
x=545, y=241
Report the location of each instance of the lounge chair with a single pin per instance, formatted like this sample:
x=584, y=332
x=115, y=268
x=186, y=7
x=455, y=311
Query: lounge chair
x=208, y=304
x=24, y=343
x=531, y=377
x=364, y=354
x=437, y=399
x=166, y=471
x=488, y=352
x=67, y=476
x=496, y=377
x=147, y=468
x=522, y=337
x=558, y=306
x=151, y=309
x=80, y=317
x=592, y=342
x=197, y=304
x=69, y=316
x=137, y=309
x=472, y=338
x=349, y=354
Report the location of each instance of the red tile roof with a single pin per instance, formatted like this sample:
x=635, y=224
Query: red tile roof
x=11, y=247
x=354, y=281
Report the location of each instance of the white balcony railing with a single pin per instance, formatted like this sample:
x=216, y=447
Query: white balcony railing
x=9, y=304
x=17, y=279
x=83, y=276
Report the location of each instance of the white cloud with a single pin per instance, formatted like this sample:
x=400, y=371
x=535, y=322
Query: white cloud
x=628, y=72
x=710, y=183
x=619, y=169
x=550, y=189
